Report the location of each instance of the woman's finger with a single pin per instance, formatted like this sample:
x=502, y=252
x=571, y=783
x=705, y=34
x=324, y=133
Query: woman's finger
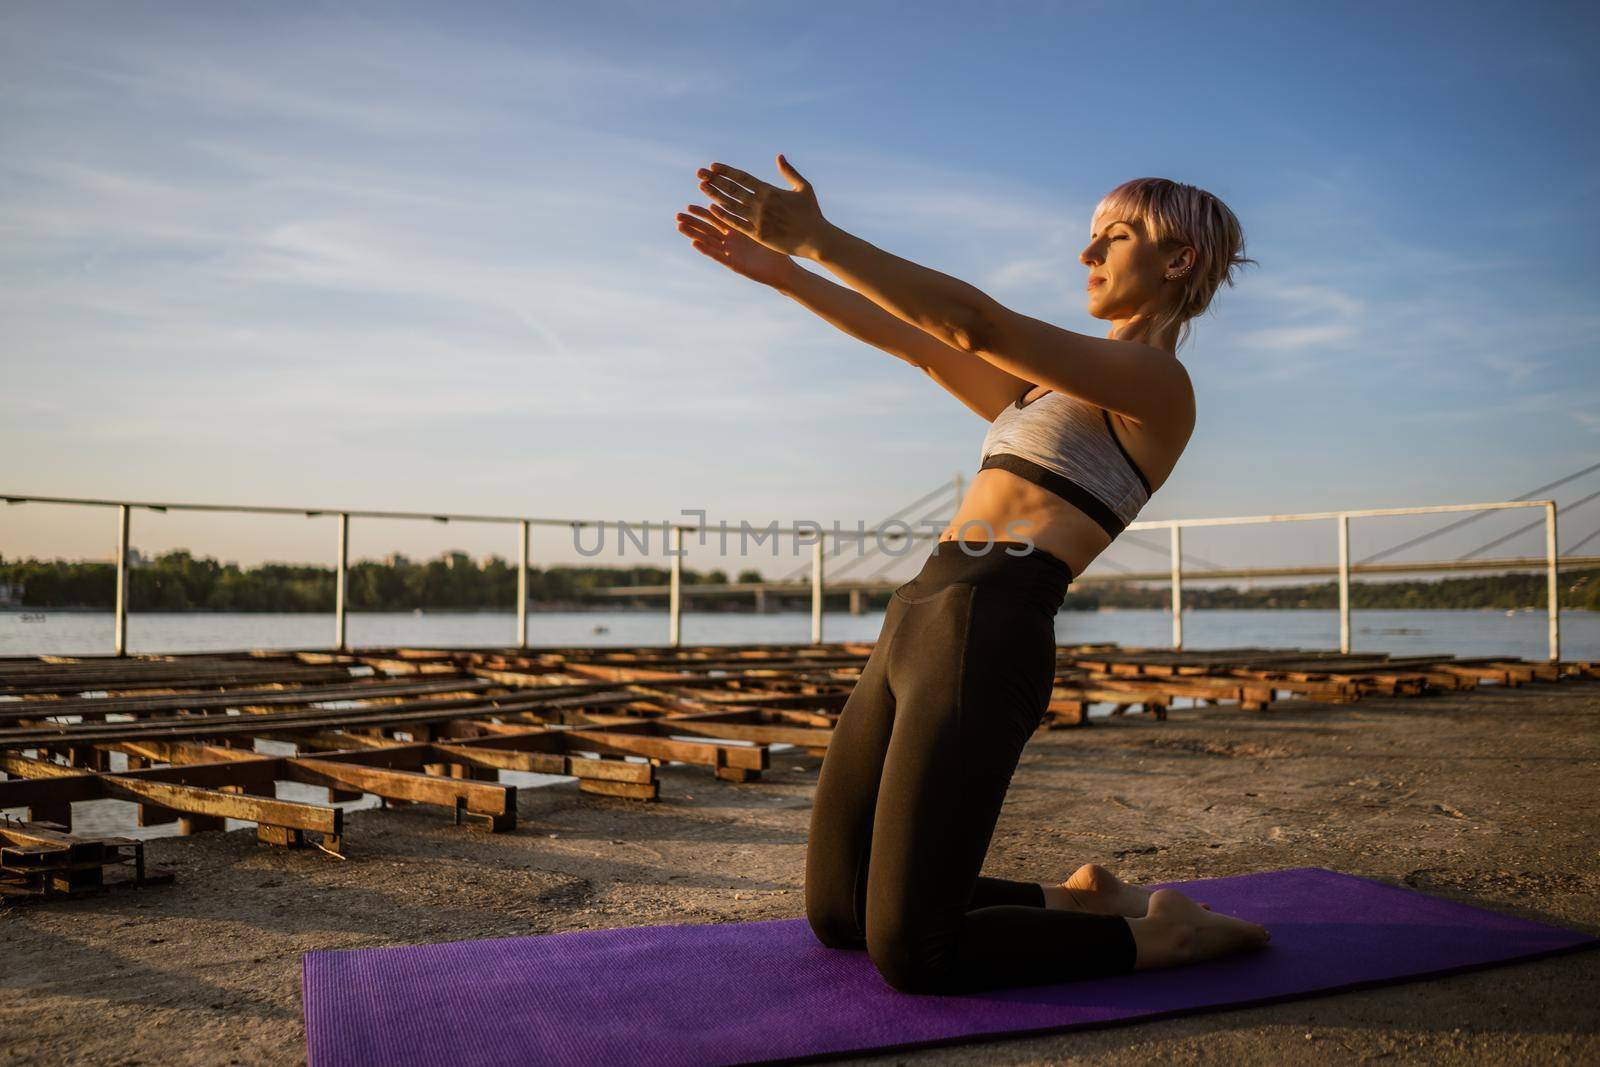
x=749, y=181
x=699, y=233
x=708, y=217
x=723, y=198
x=701, y=239
x=728, y=187
x=731, y=190
x=728, y=217
x=691, y=225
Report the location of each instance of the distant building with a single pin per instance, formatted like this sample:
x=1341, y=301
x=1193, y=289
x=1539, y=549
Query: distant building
x=11, y=594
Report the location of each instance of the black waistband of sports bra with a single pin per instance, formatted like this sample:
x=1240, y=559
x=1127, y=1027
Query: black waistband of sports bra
x=1009, y=564
x=1059, y=484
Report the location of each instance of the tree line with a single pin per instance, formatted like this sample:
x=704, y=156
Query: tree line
x=178, y=581
x=1576, y=590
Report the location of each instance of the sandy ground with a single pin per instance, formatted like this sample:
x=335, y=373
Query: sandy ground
x=1490, y=797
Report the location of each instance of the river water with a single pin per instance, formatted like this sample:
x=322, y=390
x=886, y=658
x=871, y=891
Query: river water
x=1463, y=633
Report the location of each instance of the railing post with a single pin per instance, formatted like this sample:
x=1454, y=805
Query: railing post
x=1178, y=586
x=122, y=580
x=340, y=604
x=675, y=599
x=816, y=591
x=1551, y=579
x=1344, y=583
x=522, y=589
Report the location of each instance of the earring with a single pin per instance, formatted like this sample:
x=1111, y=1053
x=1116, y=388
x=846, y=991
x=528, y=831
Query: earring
x=1181, y=273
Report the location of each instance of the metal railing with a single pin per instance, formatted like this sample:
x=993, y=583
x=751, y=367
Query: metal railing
x=815, y=536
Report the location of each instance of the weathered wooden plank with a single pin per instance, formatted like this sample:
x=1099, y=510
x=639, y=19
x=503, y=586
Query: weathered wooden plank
x=217, y=804
x=657, y=746
x=253, y=697
x=549, y=763
x=492, y=799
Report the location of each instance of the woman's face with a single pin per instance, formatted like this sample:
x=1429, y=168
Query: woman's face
x=1126, y=271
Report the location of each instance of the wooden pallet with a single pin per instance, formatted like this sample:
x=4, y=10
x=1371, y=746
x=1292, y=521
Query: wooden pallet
x=40, y=860
x=176, y=735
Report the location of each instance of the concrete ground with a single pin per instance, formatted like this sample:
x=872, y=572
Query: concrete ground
x=1490, y=797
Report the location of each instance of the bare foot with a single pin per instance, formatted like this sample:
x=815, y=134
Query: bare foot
x=1094, y=889
x=1176, y=930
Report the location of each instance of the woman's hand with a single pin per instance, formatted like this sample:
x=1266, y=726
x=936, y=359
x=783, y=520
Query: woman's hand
x=784, y=220
x=733, y=249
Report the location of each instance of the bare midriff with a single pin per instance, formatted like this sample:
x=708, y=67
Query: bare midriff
x=999, y=506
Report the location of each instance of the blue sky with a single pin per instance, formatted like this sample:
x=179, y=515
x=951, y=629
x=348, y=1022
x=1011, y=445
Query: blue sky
x=423, y=257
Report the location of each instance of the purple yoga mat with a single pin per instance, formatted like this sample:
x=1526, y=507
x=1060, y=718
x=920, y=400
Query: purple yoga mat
x=726, y=993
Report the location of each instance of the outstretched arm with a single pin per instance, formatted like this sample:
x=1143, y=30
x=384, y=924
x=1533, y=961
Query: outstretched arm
x=792, y=223
x=1134, y=379
x=1129, y=377
x=984, y=388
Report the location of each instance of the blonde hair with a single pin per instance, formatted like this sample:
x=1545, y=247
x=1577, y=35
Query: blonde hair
x=1173, y=215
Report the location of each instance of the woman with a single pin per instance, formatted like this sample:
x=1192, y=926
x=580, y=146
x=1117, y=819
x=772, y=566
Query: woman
x=1082, y=431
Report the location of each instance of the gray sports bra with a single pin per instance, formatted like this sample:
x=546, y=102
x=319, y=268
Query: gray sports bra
x=1067, y=446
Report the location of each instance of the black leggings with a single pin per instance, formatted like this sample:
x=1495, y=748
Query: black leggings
x=915, y=774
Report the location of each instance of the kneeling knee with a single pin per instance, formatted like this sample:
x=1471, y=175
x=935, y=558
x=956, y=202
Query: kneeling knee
x=906, y=966
x=833, y=928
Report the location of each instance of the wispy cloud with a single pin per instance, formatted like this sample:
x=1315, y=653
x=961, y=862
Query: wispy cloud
x=242, y=239
x=1573, y=409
